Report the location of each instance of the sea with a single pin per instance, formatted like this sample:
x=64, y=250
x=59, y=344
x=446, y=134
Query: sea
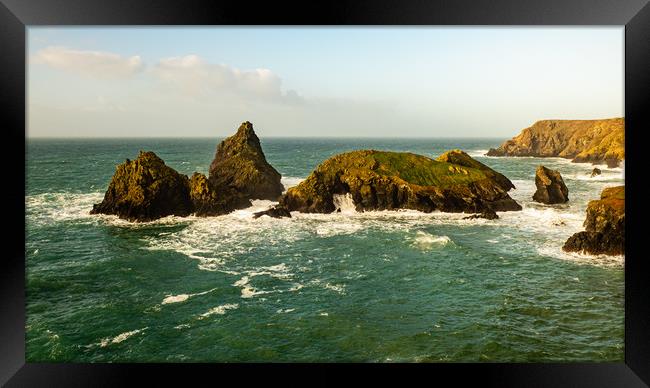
x=378, y=286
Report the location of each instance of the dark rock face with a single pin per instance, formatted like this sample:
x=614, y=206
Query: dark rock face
x=550, y=186
x=146, y=189
x=488, y=214
x=604, y=226
x=595, y=171
x=274, y=212
x=379, y=180
x=240, y=165
x=207, y=201
x=461, y=158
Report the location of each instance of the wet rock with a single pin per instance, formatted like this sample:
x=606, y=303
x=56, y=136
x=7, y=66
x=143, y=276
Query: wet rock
x=208, y=201
x=488, y=214
x=595, y=171
x=550, y=187
x=274, y=212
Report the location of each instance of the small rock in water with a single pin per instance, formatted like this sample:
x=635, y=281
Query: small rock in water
x=595, y=171
x=550, y=187
x=488, y=214
x=275, y=212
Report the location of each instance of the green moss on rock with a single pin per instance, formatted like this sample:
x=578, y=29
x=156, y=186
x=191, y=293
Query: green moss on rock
x=380, y=180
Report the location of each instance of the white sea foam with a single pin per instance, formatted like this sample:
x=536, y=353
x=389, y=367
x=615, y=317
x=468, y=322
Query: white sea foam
x=284, y=311
x=290, y=181
x=344, y=203
x=183, y=297
x=477, y=153
x=120, y=337
x=219, y=310
x=426, y=241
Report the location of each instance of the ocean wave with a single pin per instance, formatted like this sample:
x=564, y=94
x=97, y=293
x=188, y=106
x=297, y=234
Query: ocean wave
x=120, y=337
x=290, y=181
x=556, y=251
x=219, y=310
x=426, y=241
x=183, y=297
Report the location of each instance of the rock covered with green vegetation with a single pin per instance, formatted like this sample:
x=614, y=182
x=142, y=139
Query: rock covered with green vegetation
x=240, y=165
x=594, y=141
x=604, y=225
x=550, y=187
x=463, y=159
x=145, y=189
x=381, y=180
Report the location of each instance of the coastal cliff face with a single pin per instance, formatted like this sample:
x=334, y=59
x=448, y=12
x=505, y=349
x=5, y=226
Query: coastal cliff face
x=594, y=141
x=240, y=165
x=378, y=180
x=145, y=189
x=604, y=226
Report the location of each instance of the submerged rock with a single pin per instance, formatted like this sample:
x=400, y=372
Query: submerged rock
x=604, y=225
x=240, y=166
x=146, y=189
x=550, y=186
x=274, y=212
x=461, y=158
x=380, y=180
x=594, y=141
x=595, y=171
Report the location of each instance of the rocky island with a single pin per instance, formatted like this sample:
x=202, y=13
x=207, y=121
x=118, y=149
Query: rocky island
x=146, y=189
x=604, y=226
x=595, y=141
x=550, y=187
x=381, y=180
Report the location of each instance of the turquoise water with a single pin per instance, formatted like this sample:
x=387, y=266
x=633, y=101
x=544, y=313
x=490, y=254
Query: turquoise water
x=375, y=286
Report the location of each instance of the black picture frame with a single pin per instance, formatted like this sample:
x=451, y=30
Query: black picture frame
x=16, y=15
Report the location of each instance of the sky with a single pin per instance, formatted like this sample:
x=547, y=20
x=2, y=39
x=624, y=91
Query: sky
x=319, y=81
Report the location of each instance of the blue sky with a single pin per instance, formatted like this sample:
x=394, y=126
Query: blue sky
x=329, y=81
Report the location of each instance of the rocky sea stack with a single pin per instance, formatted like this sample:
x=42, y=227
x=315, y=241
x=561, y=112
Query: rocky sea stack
x=550, y=187
x=604, y=226
x=594, y=141
x=380, y=180
x=240, y=165
x=463, y=159
x=145, y=189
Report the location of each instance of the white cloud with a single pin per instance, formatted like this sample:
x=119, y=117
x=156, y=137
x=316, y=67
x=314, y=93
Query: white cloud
x=197, y=77
x=89, y=63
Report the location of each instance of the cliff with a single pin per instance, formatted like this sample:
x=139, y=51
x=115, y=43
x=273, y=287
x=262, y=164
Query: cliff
x=594, y=141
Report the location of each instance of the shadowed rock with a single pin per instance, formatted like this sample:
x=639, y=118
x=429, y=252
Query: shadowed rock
x=240, y=166
x=488, y=214
x=208, y=201
x=550, y=186
x=274, y=212
x=146, y=189
x=604, y=225
x=595, y=171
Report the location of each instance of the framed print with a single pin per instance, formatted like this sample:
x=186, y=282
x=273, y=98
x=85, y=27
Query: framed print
x=435, y=187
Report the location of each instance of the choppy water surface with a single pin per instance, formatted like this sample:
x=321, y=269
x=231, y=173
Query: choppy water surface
x=374, y=286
